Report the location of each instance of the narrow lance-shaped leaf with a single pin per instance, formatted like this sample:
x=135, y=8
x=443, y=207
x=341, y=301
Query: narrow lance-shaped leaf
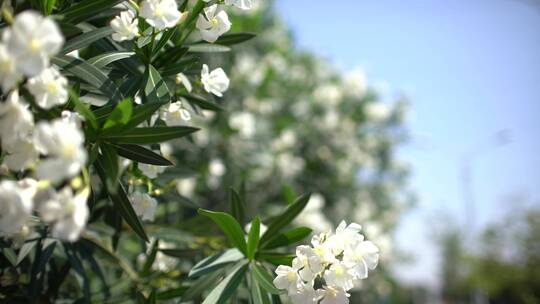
x=89, y=74
x=156, y=89
x=276, y=258
x=144, y=136
x=226, y=288
x=109, y=160
x=237, y=206
x=123, y=204
x=253, y=238
x=201, y=102
x=258, y=295
x=85, y=39
x=229, y=226
x=87, y=8
x=208, y=48
x=234, y=38
x=264, y=278
x=105, y=59
x=215, y=262
x=142, y=155
x=288, y=238
x=120, y=115
x=282, y=220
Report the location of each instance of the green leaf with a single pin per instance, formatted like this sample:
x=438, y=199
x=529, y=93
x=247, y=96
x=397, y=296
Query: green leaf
x=237, y=206
x=120, y=115
x=151, y=298
x=258, y=296
x=201, y=285
x=276, y=258
x=109, y=159
x=149, y=135
x=142, y=155
x=85, y=39
x=89, y=74
x=123, y=205
x=229, y=226
x=253, y=238
x=156, y=89
x=105, y=59
x=150, y=258
x=25, y=250
x=216, y=261
x=179, y=253
x=83, y=109
x=208, y=48
x=170, y=294
x=167, y=35
x=10, y=255
x=226, y=288
x=140, y=114
x=288, y=238
x=264, y=278
x=230, y=39
x=87, y=9
x=169, y=56
x=282, y=220
x=201, y=102
x=96, y=242
x=180, y=66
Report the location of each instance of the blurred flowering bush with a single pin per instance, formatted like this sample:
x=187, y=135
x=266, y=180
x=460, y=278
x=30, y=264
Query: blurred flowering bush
x=121, y=130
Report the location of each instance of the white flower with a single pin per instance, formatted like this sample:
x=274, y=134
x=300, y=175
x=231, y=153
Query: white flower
x=241, y=4
x=49, y=88
x=309, y=263
x=333, y=295
x=186, y=186
x=377, y=111
x=21, y=154
x=345, y=236
x=67, y=212
x=144, y=205
x=175, y=114
x=160, y=14
x=339, y=275
x=33, y=39
x=244, y=122
x=216, y=167
x=151, y=171
x=215, y=82
x=214, y=23
x=355, y=83
x=181, y=78
x=15, y=207
x=72, y=216
x=322, y=249
x=16, y=121
x=63, y=143
x=9, y=75
x=363, y=256
x=305, y=294
x=73, y=118
x=125, y=26
x=287, y=278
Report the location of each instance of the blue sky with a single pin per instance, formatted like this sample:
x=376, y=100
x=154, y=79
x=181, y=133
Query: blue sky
x=471, y=68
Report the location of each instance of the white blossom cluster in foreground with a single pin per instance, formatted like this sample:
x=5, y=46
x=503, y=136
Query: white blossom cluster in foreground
x=42, y=154
x=325, y=271
x=164, y=14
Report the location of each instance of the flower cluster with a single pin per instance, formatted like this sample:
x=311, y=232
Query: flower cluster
x=42, y=154
x=325, y=271
x=162, y=15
